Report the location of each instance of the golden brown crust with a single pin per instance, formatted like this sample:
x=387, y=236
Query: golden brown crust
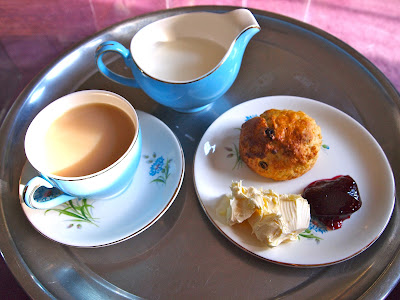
x=280, y=144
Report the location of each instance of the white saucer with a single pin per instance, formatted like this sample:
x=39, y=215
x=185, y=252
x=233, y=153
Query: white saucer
x=348, y=149
x=154, y=188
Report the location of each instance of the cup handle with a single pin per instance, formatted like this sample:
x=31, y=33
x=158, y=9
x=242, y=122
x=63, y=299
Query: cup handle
x=112, y=46
x=33, y=185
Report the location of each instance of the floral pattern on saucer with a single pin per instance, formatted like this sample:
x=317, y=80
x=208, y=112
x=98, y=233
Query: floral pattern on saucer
x=159, y=165
x=78, y=210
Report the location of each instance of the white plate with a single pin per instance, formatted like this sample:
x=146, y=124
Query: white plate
x=155, y=186
x=348, y=149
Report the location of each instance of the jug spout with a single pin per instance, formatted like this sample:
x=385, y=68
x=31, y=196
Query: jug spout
x=241, y=20
x=242, y=27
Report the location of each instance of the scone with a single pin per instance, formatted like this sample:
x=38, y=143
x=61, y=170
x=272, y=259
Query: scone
x=280, y=144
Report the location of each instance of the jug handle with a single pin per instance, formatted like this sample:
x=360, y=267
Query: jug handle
x=116, y=47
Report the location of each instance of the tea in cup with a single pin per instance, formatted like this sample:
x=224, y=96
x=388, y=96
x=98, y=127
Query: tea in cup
x=86, y=144
x=185, y=62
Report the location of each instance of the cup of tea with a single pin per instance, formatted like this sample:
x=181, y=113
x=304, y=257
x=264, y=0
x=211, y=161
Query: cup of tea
x=86, y=144
x=184, y=62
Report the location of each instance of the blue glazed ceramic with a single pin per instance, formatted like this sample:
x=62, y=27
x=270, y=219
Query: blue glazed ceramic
x=104, y=184
x=185, y=62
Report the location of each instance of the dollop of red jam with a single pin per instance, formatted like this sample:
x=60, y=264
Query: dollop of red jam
x=333, y=200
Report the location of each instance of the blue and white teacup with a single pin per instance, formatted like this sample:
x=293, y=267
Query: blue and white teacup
x=95, y=174
x=185, y=62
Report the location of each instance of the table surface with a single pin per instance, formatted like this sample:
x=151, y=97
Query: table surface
x=33, y=34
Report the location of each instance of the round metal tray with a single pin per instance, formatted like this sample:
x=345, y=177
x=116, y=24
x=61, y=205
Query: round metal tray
x=183, y=255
